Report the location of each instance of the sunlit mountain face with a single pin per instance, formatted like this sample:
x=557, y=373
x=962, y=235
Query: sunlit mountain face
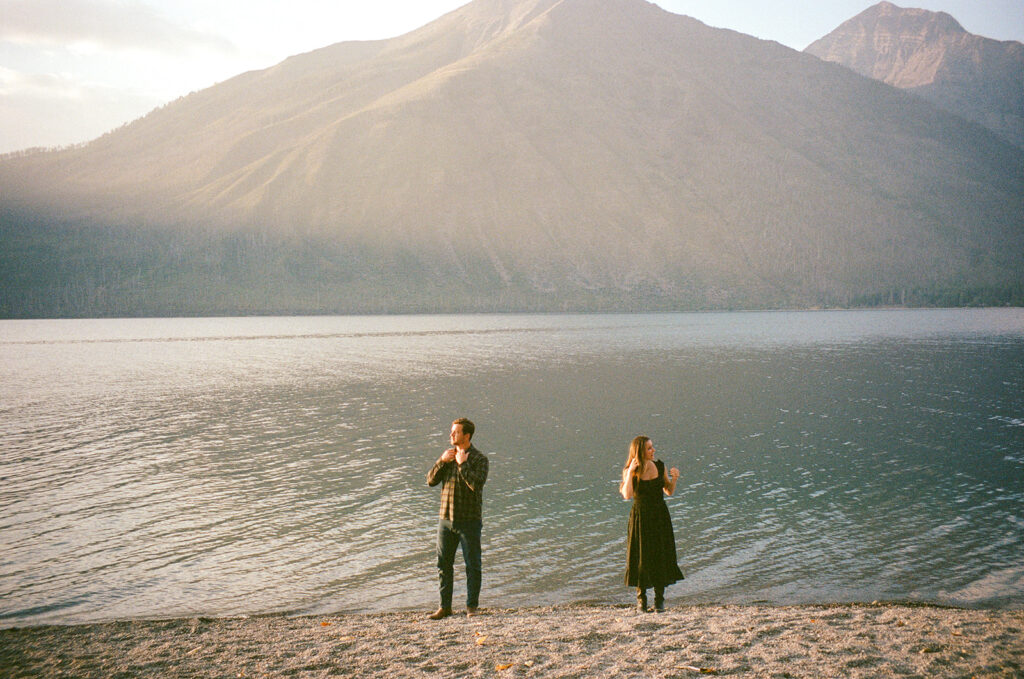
x=534, y=155
x=931, y=55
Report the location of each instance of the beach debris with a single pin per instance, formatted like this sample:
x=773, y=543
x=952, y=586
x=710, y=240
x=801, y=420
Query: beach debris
x=480, y=639
x=502, y=668
x=325, y=624
x=699, y=670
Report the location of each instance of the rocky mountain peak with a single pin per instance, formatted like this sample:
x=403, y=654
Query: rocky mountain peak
x=909, y=21
x=931, y=54
x=903, y=47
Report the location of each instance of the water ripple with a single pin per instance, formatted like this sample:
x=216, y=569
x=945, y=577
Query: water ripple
x=226, y=472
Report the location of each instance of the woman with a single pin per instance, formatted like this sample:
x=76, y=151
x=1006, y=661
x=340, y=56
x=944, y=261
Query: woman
x=651, y=546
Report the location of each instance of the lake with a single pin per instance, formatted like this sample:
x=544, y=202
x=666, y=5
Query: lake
x=227, y=466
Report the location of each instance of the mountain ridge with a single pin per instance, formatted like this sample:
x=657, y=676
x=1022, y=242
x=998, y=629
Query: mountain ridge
x=543, y=154
x=932, y=55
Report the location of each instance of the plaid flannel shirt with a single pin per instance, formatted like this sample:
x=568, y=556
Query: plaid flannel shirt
x=462, y=489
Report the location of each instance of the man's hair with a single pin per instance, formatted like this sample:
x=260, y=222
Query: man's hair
x=467, y=427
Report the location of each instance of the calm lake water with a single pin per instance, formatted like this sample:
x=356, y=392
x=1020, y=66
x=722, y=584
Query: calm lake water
x=176, y=467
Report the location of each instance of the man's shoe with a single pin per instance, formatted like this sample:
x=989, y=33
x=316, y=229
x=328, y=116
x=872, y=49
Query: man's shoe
x=471, y=611
x=440, y=613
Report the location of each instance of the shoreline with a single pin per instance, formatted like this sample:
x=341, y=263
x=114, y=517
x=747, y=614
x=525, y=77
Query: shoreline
x=567, y=640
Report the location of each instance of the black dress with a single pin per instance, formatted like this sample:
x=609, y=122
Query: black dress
x=650, y=543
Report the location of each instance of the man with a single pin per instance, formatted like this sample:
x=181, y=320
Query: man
x=462, y=471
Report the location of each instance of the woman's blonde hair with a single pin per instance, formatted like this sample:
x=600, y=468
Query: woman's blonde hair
x=637, y=449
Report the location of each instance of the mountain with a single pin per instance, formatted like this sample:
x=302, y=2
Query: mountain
x=522, y=155
x=930, y=54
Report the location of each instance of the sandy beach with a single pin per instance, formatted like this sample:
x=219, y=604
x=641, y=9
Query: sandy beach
x=882, y=640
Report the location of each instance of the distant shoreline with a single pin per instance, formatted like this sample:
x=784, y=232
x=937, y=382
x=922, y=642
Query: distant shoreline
x=578, y=640
x=524, y=312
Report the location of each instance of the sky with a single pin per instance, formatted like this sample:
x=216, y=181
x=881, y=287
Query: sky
x=71, y=70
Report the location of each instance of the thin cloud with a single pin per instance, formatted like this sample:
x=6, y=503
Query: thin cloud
x=47, y=85
x=52, y=110
x=110, y=24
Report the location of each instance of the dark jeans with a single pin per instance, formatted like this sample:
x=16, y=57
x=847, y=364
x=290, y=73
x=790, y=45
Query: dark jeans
x=449, y=536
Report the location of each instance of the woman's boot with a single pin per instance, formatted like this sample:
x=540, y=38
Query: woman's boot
x=641, y=599
x=659, y=599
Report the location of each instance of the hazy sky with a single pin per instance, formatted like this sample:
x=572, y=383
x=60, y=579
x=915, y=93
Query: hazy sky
x=71, y=70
